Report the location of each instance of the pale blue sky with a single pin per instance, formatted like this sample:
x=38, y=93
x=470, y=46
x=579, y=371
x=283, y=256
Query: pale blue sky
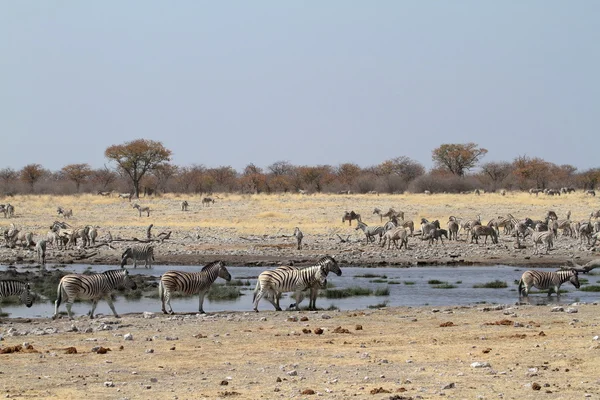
x=309, y=82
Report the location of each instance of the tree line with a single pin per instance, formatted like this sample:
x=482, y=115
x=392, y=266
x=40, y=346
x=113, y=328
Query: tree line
x=144, y=166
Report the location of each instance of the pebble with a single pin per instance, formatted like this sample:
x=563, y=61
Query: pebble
x=128, y=336
x=478, y=364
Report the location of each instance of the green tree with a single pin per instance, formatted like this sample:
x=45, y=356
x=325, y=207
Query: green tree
x=136, y=158
x=458, y=158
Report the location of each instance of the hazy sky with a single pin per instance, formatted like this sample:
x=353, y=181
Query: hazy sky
x=309, y=82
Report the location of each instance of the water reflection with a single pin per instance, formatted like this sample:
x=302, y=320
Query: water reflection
x=407, y=287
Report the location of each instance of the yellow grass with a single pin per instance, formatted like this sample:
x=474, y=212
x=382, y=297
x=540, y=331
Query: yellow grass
x=280, y=213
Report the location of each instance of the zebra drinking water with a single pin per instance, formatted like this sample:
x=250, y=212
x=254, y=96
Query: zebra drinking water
x=370, y=231
x=13, y=287
x=91, y=287
x=547, y=280
x=190, y=283
x=271, y=284
x=144, y=252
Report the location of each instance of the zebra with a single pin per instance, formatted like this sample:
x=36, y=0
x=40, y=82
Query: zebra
x=427, y=226
x=10, y=211
x=547, y=280
x=91, y=287
x=331, y=265
x=483, y=230
x=585, y=232
x=78, y=233
x=395, y=235
x=299, y=236
x=410, y=225
x=144, y=252
x=207, y=200
x=436, y=234
x=595, y=214
x=370, y=232
x=190, y=283
x=349, y=216
x=3, y=209
x=272, y=283
x=391, y=213
x=590, y=193
x=92, y=235
x=40, y=249
x=184, y=205
x=544, y=237
x=453, y=228
x=65, y=213
x=535, y=191
x=141, y=209
x=127, y=196
x=13, y=287
x=468, y=225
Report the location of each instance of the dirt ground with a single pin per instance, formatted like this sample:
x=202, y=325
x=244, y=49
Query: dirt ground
x=504, y=351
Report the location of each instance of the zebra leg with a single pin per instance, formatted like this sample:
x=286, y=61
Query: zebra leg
x=201, y=301
x=257, y=298
x=94, y=304
x=111, y=305
x=69, y=312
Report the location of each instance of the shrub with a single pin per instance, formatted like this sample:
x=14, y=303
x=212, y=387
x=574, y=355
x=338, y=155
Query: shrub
x=497, y=284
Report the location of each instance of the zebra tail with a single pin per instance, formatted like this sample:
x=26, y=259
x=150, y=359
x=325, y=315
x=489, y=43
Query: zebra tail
x=59, y=294
x=256, y=290
x=161, y=291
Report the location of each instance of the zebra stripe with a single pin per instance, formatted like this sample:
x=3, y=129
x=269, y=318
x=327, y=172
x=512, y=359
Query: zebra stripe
x=190, y=283
x=542, y=238
x=91, y=287
x=141, y=209
x=144, y=252
x=370, y=231
x=546, y=280
x=12, y=287
x=271, y=284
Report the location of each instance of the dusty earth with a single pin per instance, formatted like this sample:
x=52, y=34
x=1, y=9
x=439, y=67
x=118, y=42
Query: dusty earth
x=505, y=351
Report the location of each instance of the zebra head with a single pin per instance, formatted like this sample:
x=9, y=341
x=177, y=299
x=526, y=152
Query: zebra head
x=126, y=254
x=125, y=278
x=574, y=279
x=330, y=264
x=26, y=296
x=223, y=273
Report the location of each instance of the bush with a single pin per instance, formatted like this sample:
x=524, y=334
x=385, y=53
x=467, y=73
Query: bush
x=591, y=288
x=497, y=284
x=347, y=292
x=222, y=292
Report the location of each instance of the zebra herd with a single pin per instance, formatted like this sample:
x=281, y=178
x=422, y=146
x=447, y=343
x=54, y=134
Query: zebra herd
x=270, y=285
x=543, y=232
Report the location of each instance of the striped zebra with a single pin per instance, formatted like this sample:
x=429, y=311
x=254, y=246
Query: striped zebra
x=91, y=287
x=40, y=250
x=10, y=211
x=92, y=235
x=271, y=284
x=453, y=228
x=541, y=238
x=141, y=209
x=78, y=233
x=427, y=227
x=370, y=231
x=3, y=209
x=299, y=236
x=207, y=200
x=349, y=216
x=484, y=230
x=184, y=205
x=65, y=213
x=13, y=287
x=190, y=283
x=144, y=252
x=547, y=280
x=395, y=235
x=469, y=224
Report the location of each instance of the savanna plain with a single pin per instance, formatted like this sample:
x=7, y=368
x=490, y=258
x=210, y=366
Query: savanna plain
x=509, y=350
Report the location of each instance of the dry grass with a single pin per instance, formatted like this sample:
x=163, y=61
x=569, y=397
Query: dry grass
x=265, y=214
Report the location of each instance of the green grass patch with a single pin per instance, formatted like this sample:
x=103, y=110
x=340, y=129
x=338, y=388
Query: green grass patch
x=394, y=282
x=458, y=282
x=382, y=292
x=371, y=276
x=222, y=292
x=347, y=292
x=591, y=288
x=497, y=284
x=444, y=285
x=378, y=281
x=408, y=283
x=435, y=282
x=238, y=282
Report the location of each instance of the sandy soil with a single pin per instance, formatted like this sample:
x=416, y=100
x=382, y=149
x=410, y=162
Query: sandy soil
x=505, y=351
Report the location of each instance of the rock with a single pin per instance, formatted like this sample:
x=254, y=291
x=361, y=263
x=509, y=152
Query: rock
x=292, y=372
x=557, y=309
x=478, y=364
x=449, y=386
x=109, y=384
x=535, y=386
x=571, y=310
x=308, y=392
x=148, y=314
x=128, y=336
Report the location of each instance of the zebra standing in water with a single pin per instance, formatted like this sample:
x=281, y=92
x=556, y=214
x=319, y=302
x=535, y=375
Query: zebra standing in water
x=272, y=283
x=91, y=287
x=13, y=287
x=190, y=283
x=299, y=236
x=329, y=264
x=370, y=231
x=547, y=280
x=144, y=252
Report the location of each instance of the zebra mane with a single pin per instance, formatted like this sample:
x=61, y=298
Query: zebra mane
x=333, y=267
x=115, y=271
x=211, y=265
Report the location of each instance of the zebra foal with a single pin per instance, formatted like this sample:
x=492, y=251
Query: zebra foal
x=272, y=283
x=145, y=252
x=13, y=287
x=91, y=287
x=190, y=283
x=547, y=280
x=370, y=231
